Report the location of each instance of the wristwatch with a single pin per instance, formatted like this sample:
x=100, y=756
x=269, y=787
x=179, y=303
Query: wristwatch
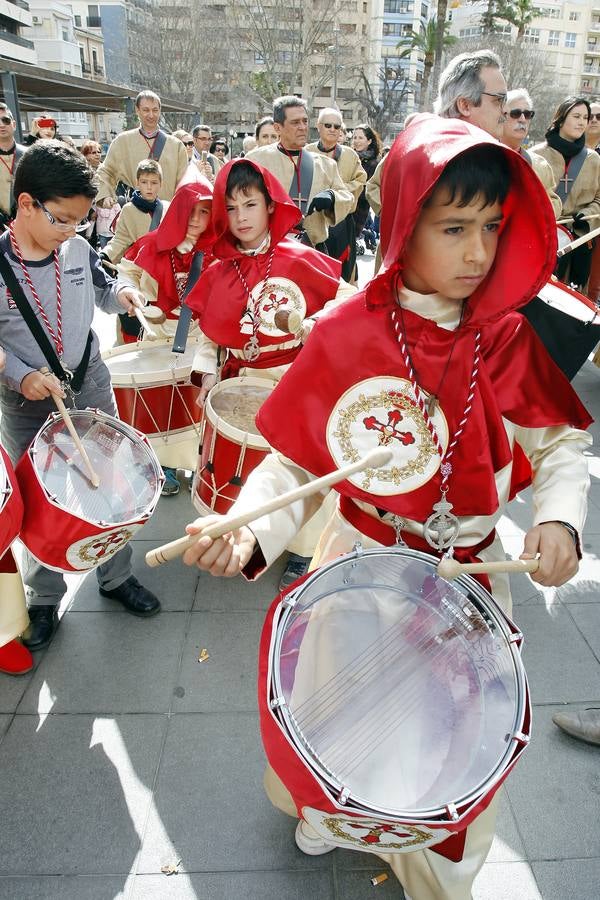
x=572, y=531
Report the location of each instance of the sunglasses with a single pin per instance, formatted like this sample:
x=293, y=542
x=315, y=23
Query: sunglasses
x=331, y=125
x=517, y=113
x=6, y=120
x=592, y=116
x=188, y=143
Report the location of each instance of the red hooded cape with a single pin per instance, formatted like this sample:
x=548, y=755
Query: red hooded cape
x=356, y=341
x=152, y=252
x=219, y=299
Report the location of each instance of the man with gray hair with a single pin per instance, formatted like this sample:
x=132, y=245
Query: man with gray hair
x=472, y=87
x=312, y=181
x=146, y=142
x=519, y=114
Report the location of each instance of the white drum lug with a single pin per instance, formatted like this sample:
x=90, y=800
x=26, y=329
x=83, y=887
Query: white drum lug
x=343, y=796
x=452, y=812
x=358, y=548
x=290, y=600
x=516, y=638
x=277, y=703
x=521, y=738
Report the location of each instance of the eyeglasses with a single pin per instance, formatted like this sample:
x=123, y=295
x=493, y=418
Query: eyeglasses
x=498, y=96
x=331, y=125
x=595, y=116
x=188, y=143
x=61, y=226
x=6, y=120
x=527, y=113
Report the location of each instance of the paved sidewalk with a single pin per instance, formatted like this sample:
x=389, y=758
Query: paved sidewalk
x=121, y=753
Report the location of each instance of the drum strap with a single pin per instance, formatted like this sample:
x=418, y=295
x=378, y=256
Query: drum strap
x=74, y=380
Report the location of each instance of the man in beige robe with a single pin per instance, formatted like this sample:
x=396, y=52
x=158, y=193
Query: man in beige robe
x=130, y=147
x=314, y=184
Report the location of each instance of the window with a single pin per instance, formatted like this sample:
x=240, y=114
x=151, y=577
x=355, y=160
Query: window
x=78, y=21
x=574, y=16
x=258, y=58
x=553, y=37
x=570, y=39
x=470, y=32
x=532, y=35
x=397, y=6
x=424, y=10
x=547, y=12
x=65, y=34
x=396, y=29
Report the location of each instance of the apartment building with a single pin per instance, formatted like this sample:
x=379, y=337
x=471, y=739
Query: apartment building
x=15, y=36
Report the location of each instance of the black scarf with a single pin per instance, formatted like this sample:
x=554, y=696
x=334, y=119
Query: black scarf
x=147, y=206
x=567, y=149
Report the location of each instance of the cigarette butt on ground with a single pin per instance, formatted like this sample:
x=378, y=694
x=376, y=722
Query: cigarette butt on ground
x=171, y=868
x=379, y=879
x=204, y=655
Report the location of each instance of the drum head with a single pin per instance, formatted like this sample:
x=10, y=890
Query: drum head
x=151, y=362
x=234, y=403
x=399, y=687
x=130, y=477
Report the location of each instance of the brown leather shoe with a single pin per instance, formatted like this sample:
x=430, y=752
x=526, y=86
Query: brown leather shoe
x=583, y=724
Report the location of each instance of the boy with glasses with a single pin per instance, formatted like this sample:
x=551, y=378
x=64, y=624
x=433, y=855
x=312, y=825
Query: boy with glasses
x=62, y=281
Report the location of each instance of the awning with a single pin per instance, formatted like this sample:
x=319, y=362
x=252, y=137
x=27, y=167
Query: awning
x=45, y=89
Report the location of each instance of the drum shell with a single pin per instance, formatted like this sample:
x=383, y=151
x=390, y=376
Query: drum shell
x=568, y=339
x=11, y=511
x=226, y=453
x=312, y=795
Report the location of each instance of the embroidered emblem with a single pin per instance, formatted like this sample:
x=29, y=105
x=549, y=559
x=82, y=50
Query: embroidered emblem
x=384, y=411
x=91, y=552
x=372, y=834
x=281, y=293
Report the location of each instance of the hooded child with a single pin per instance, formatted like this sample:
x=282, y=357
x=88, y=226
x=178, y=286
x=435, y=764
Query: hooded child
x=432, y=359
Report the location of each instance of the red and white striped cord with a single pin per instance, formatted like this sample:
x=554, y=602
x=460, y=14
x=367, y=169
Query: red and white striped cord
x=256, y=304
x=446, y=465
x=55, y=335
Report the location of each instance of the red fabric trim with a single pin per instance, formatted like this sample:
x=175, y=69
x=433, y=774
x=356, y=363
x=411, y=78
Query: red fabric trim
x=277, y=358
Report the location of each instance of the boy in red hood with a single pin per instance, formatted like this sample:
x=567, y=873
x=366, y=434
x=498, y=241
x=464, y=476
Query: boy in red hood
x=159, y=264
x=261, y=270
x=432, y=361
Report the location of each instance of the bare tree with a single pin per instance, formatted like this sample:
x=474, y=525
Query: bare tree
x=383, y=101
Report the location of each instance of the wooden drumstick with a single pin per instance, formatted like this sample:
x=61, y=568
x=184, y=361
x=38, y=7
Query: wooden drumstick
x=145, y=323
x=573, y=245
x=288, y=320
x=375, y=459
x=76, y=440
x=451, y=568
x=154, y=314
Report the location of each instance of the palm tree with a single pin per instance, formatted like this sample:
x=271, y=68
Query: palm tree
x=519, y=13
x=424, y=42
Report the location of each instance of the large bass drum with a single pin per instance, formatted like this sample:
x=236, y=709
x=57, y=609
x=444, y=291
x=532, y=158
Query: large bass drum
x=393, y=703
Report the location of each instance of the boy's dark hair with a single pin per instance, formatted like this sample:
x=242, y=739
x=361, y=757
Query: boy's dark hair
x=244, y=176
x=481, y=171
x=51, y=170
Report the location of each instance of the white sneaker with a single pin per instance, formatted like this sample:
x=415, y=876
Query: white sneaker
x=309, y=841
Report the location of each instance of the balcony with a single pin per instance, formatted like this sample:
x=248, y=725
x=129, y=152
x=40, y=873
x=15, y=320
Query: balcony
x=15, y=39
x=86, y=68
x=20, y=3
x=93, y=21
x=593, y=50
x=99, y=70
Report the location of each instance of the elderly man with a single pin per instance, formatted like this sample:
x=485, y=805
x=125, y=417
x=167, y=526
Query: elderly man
x=312, y=181
x=208, y=164
x=10, y=154
x=146, y=142
x=519, y=113
x=592, y=132
x=341, y=242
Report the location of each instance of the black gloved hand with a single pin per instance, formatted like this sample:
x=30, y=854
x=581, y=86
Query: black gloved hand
x=580, y=226
x=324, y=200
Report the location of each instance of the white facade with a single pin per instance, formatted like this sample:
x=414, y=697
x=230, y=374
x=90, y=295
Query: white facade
x=16, y=38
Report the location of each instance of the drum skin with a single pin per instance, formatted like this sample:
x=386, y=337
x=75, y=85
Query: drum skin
x=11, y=513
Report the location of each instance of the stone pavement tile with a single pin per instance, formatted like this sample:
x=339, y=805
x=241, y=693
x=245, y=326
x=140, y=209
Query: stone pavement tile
x=4, y=723
x=109, y=663
x=211, y=810
x=238, y=594
x=554, y=793
x=78, y=792
x=234, y=886
x=226, y=682
x=174, y=584
x=13, y=688
x=578, y=879
x=584, y=587
x=587, y=619
x=508, y=881
x=507, y=845
x=171, y=516
x=63, y=887
x=560, y=665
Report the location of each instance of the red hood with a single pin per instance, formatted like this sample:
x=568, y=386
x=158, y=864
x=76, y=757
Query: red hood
x=283, y=218
x=172, y=229
x=526, y=252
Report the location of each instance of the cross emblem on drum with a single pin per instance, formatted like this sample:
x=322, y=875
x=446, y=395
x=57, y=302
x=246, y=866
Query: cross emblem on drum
x=374, y=832
x=107, y=545
x=389, y=431
x=275, y=302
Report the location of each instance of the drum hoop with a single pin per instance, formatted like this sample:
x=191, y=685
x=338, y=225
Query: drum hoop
x=222, y=426
x=156, y=377
x=6, y=487
x=319, y=768
x=131, y=433
x=560, y=287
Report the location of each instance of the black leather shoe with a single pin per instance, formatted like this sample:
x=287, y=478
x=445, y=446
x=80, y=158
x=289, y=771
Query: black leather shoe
x=136, y=599
x=297, y=566
x=42, y=627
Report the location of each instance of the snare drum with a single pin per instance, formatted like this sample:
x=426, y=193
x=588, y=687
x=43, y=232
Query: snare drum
x=567, y=323
x=231, y=445
x=69, y=525
x=11, y=504
x=563, y=236
x=154, y=395
x=393, y=703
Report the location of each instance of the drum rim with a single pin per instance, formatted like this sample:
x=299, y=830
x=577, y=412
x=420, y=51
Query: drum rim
x=6, y=485
x=132, y=433
x=561, y=287
x=155, y=378
x=316, y=765
x=223, y=427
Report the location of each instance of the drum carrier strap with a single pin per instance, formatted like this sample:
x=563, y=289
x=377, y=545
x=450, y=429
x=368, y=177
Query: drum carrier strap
x=73, y=380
